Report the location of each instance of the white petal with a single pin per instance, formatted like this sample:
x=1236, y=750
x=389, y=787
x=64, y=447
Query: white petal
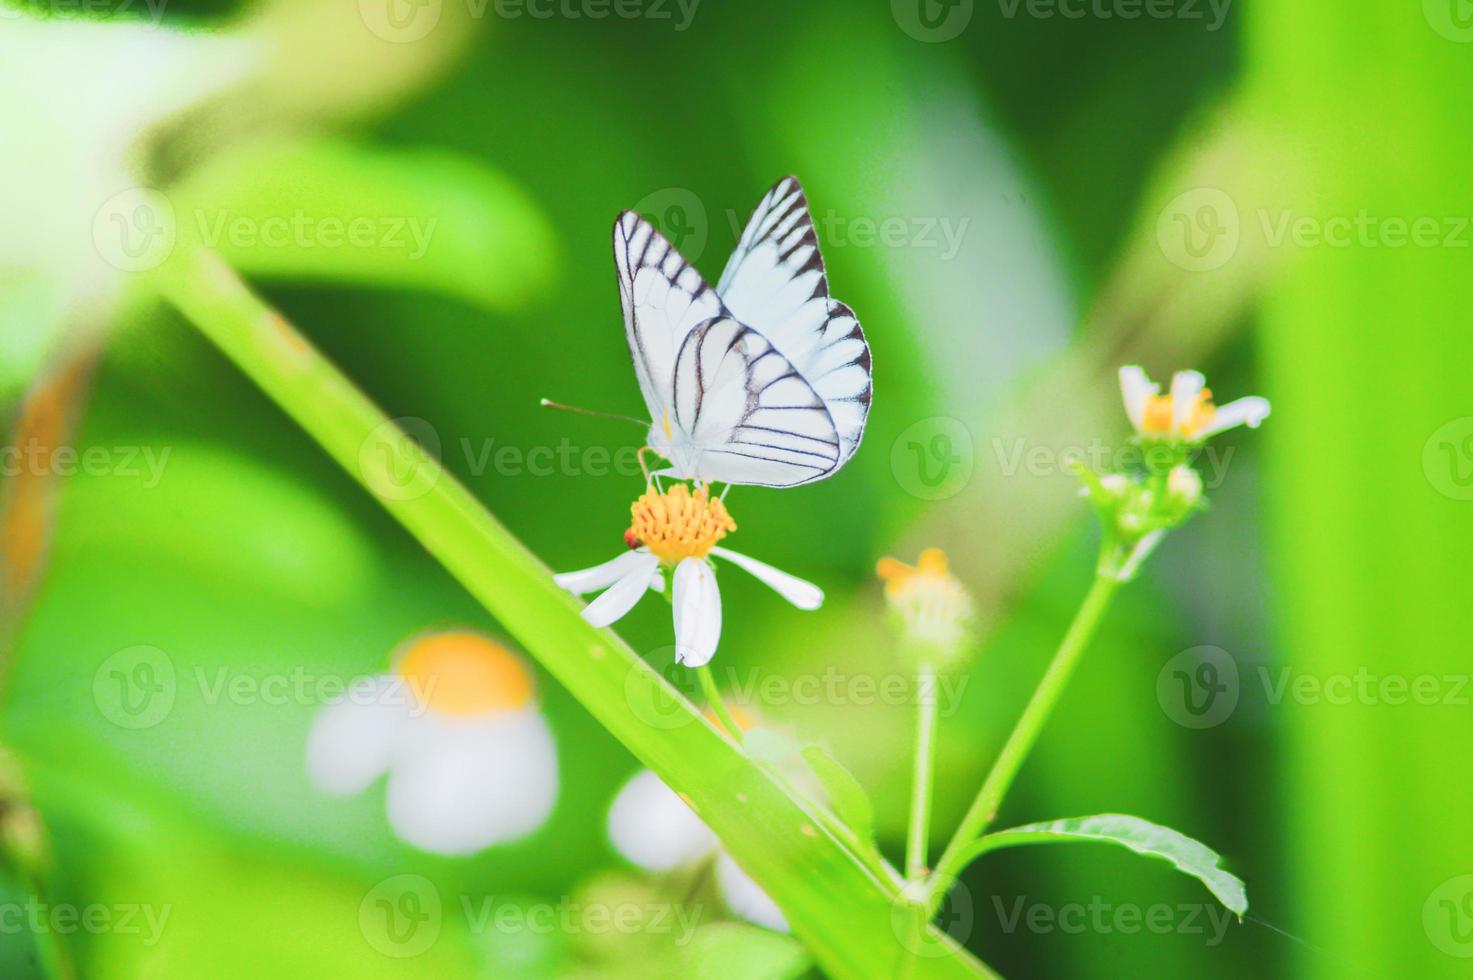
x=1185, y=386
x=1250, y=411
x=620, y=597
x=353, y=741
x=697, y=612
x=652, y=827
x=599, y=576
x=1135, y=389
x=801, y=593
x=468, y=785
x=746, y=898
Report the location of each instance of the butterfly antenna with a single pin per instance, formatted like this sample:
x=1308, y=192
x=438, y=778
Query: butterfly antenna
x=549, y=403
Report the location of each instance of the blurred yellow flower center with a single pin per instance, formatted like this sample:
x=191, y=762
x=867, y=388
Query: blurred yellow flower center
x=932, y=603
x=901, y=579
x=1159, y=416
x=464, y=673
x=678, y=524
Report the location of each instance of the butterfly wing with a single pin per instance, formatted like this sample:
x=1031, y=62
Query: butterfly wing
x=747, y=414
x=775, y=282
x=664, y=299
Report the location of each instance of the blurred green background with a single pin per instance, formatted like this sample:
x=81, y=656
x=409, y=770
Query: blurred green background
x=1016, y=198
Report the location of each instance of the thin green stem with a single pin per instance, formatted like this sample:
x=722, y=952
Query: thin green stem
x=717, y=703
x=924, y=771
x=1025, y=732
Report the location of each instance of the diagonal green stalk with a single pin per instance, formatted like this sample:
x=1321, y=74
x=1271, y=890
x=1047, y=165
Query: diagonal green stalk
x=717, y=703
x=843, y=912
x=924, y=770
x=1025, y=733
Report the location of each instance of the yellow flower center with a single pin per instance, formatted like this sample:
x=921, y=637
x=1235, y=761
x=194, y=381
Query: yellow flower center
x=678, y=524
x=1159, y=418
x=464, y=673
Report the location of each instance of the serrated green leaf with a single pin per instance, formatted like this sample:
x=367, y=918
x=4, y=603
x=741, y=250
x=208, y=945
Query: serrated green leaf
x=1153, y=840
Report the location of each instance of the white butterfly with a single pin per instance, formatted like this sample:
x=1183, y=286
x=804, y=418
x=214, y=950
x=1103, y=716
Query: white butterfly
x=764, y=380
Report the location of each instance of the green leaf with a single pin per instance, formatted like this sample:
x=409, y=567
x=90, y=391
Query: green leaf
x=812, y=769
x=1153, y=840
x=847, y=798
x=731, y=951
x=328, y=210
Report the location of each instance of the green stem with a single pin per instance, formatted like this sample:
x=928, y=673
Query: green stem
x=924, y=771
x=717, y=703
x=836, y=905
x=1025, y=732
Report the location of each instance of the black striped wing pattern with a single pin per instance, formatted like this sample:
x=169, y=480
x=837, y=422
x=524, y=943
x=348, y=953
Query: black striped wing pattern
x=775, y=283
x=776, y=395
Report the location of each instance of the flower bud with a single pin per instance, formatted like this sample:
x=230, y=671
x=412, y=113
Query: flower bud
x=932, y=606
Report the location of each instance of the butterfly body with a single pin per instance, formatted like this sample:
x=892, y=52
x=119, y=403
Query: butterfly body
x=764, y=380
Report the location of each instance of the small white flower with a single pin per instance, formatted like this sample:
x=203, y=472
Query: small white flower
x=678, y=529
x=470, y=759
x=653, y=828
x=1187, y=413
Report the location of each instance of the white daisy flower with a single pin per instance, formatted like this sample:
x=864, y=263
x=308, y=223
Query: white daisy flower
x=470, y=759
x=652, y=827
x=678, y=529
x=1187, y=412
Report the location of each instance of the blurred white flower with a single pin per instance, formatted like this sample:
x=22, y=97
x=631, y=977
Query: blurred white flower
x=1187, y=412
x=470, y=759
x=653, y=828
x=678, y=529
x=74, y=169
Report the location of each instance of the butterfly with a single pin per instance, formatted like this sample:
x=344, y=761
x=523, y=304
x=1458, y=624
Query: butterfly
x=762, y=381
